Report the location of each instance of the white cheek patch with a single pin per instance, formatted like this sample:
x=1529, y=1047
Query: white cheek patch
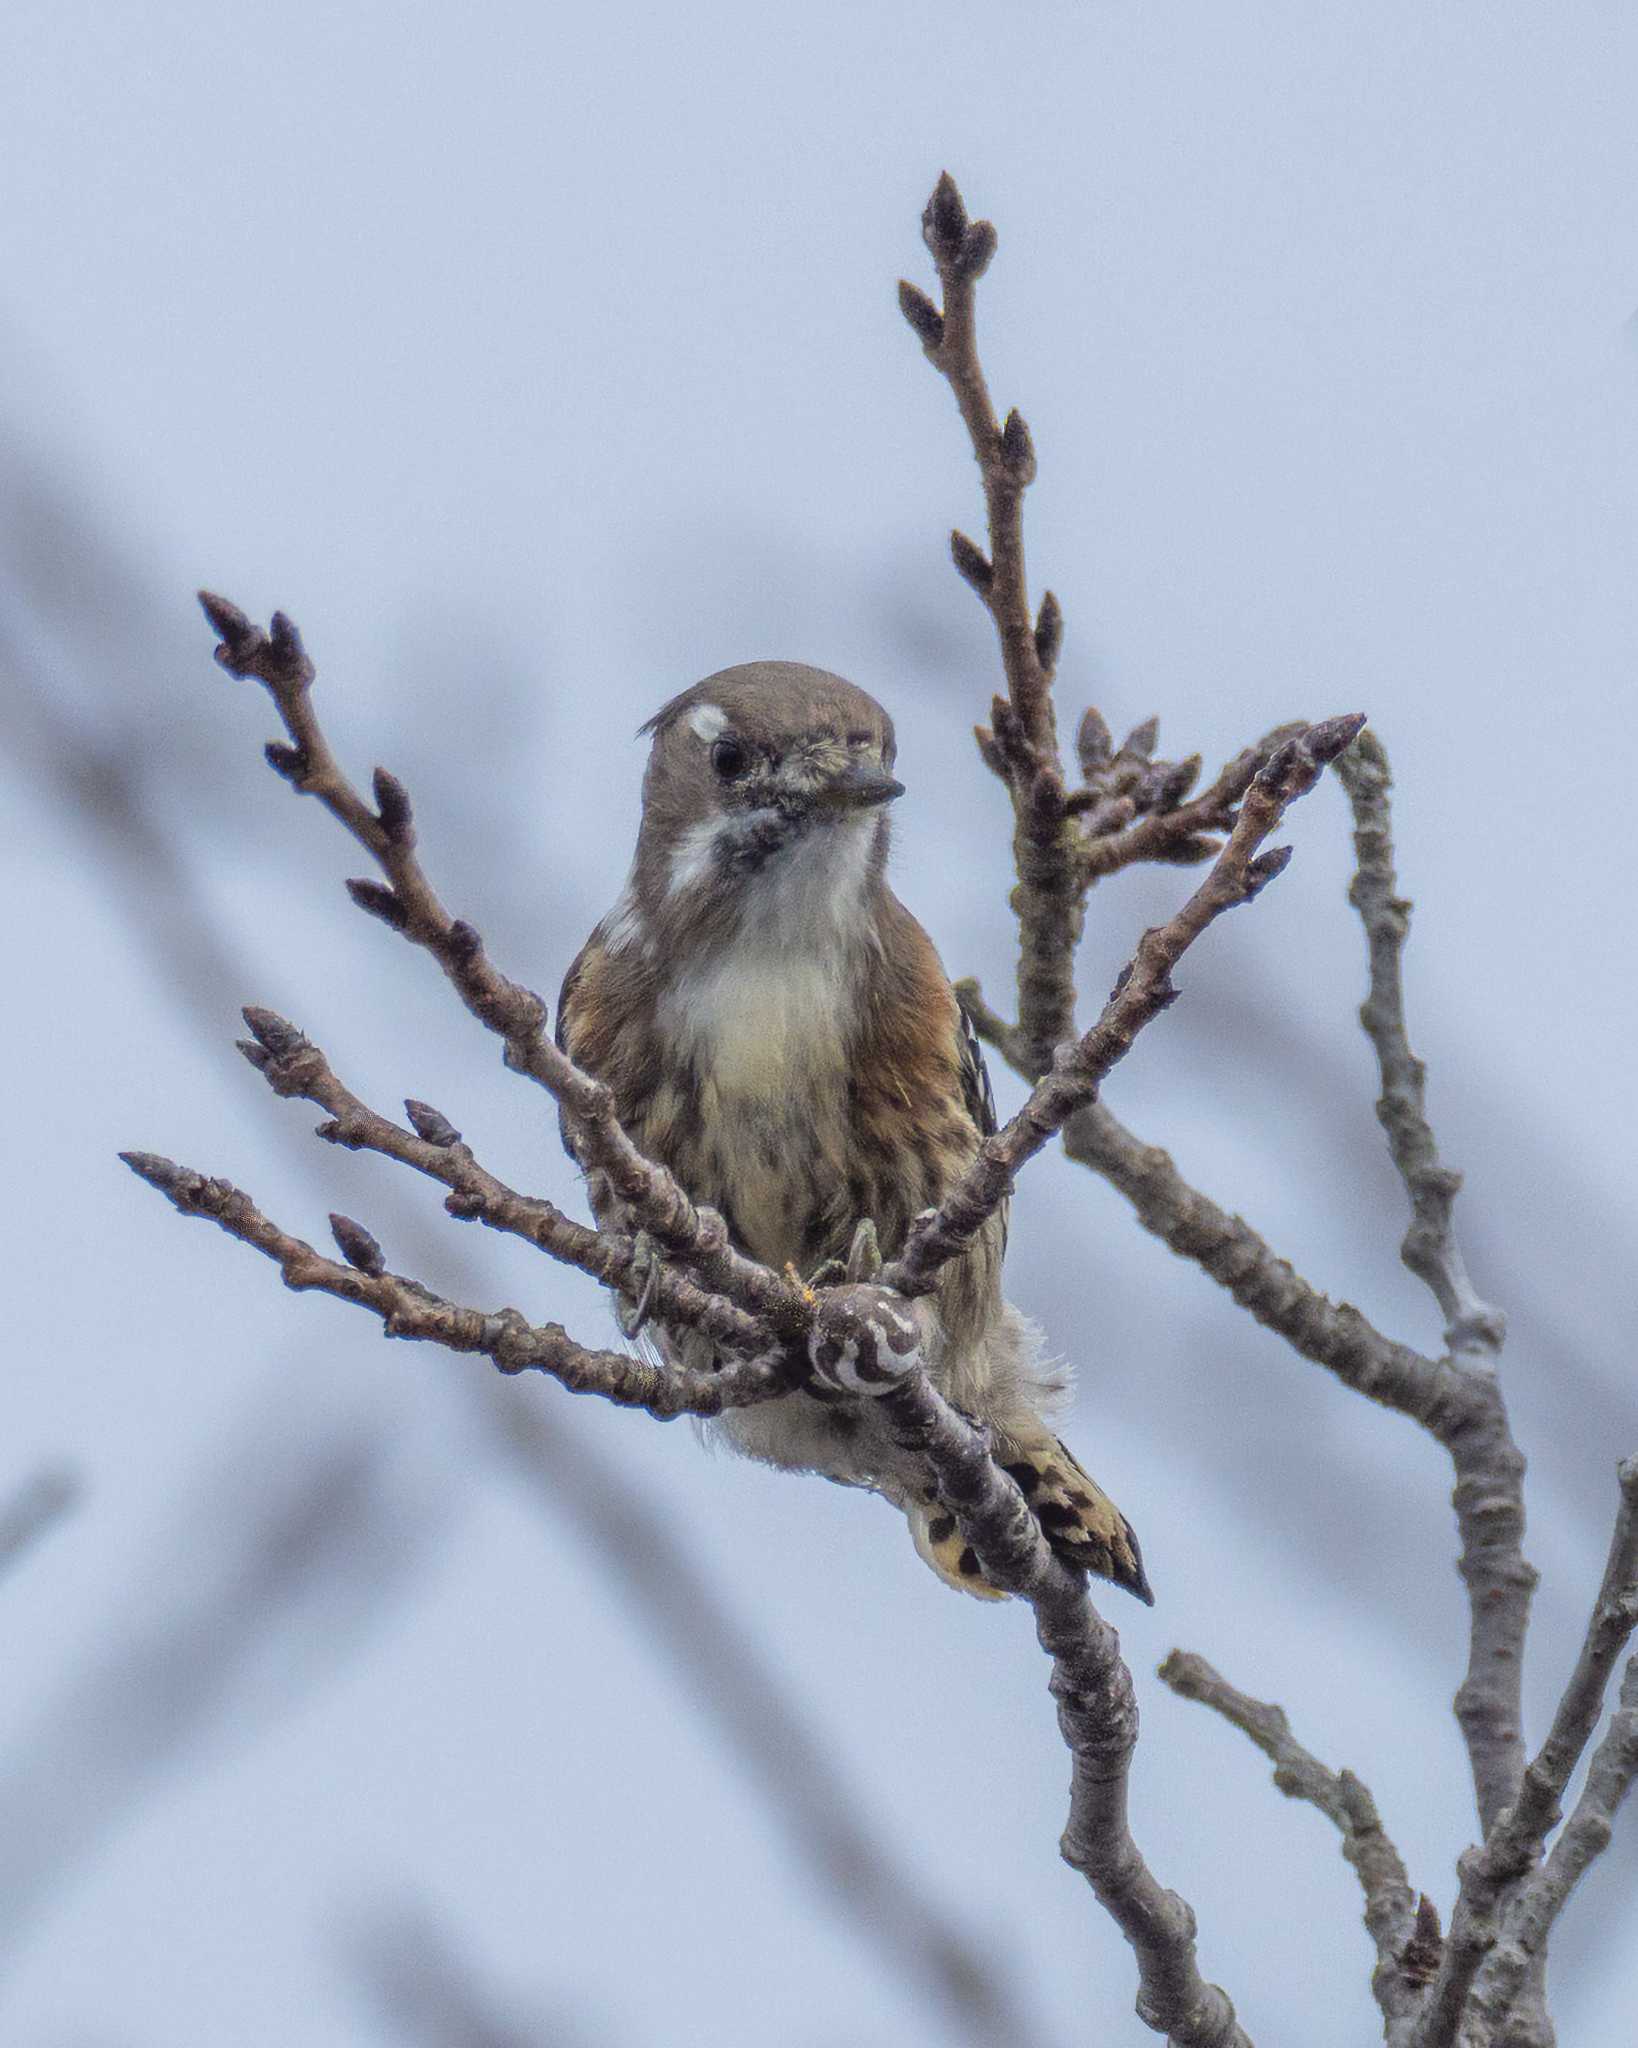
x=708, y=722
x=694, y=856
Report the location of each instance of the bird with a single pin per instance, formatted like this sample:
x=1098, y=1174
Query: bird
x=777, y=1030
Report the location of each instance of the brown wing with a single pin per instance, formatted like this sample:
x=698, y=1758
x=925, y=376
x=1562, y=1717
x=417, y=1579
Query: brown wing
x=975, y=1078
x=979, y=1096
x=576, y=1011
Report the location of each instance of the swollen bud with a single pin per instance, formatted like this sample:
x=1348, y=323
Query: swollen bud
x=1261, y=871
x=1094, y=744
x=392, y=805
x=229, y=624
x=357, y=1246
x=977, y=251
x=922, y=315
x=944, y=219
x=277, y=1033
x=380, y=902
x=1017, y=449
x=1049, y=633
x=972, y=564
x=993, y=758
x=431, y=1125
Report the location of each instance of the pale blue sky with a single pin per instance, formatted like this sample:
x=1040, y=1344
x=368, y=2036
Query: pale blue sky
x=539, y=363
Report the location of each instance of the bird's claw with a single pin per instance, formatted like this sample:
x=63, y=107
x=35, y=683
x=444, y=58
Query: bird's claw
x=864, y=1254
x=862, y=1262
x=645, y=1259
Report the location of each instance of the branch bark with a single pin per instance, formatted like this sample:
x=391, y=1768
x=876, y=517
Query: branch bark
x=1097, y=1715
x=1489, y=1493
x=1394, y=1916
x=504, y=1336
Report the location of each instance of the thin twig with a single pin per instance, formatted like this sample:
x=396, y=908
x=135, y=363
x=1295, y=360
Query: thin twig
x=1391, y=1905
x=1472, y=1326
x=1227, y=1249
x=1175, y=833
x=1230, y=1251
x=1023, y=747
x=409, y=1310
x=292, y=1065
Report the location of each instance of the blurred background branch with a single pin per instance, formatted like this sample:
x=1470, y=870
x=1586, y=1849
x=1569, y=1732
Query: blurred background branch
x=30, y=1509
x=1339, y=392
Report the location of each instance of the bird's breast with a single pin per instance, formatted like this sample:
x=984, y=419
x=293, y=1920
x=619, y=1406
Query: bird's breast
x=766, y=1038
x=758, y=1023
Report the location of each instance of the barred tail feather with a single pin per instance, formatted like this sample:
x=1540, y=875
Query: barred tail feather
x=1079, y=1520
x=1084, y=1527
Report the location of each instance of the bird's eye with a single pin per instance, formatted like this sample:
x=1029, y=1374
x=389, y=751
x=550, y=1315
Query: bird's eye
x=730, y=758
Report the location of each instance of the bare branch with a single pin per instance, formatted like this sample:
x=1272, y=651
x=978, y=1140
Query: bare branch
x=1146, y=819
x=1144, y=990
x=1489, y=1496
x=293, y=1065
x=1393, y=1916
x=1050, y=895
x=1473, y=1327
x=1458, y=1400
x=1097, y=1714
x=407, y=1309
x=1334, y=1335
x=1492, y=1874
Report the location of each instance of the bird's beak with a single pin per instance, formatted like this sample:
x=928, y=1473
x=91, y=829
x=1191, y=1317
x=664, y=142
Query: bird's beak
x=859, y=785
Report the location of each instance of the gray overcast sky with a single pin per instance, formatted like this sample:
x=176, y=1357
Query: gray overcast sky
x=539, y=363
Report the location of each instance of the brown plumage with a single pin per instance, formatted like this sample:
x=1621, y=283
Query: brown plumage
x=777, y=1030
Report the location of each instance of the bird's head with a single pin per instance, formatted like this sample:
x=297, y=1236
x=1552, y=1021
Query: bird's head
x=764, y=801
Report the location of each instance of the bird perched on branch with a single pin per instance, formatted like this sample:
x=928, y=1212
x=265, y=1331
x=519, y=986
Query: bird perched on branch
x=778, y=1031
